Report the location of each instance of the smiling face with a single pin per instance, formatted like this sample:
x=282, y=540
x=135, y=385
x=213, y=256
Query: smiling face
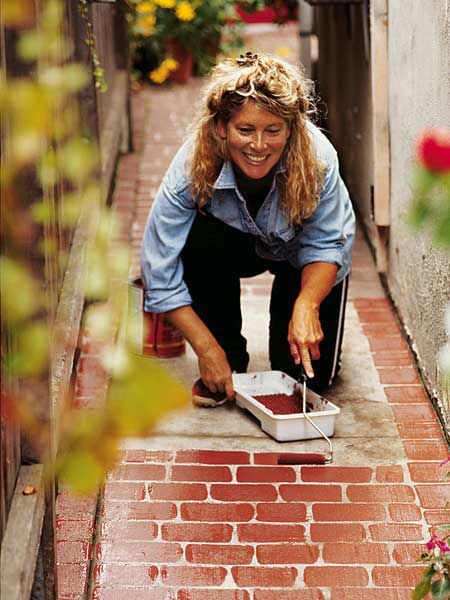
x=255, y=139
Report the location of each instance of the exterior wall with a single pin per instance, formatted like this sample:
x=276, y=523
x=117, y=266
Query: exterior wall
x=419, y=86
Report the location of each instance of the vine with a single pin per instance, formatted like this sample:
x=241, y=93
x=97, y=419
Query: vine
x=98, y=71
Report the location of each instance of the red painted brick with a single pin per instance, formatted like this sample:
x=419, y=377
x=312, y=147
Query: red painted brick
x=389, y=474
x=158, y=456
x=118, y=490
x=335, y=576
x=349, y=512
x=287, y=554
x=133, y=456
x=336, y=474
x=219, y=594
x=72, y=578
x=73, y=552
x=427, y=472
x=151, y=511
x=433, y=496
x=437, y=517
x=380, y=493
x=268, y=532
x=413, y=412
x=372, y=303
x=288, y=595
x=395, y=532
x=264, y=576
x=243, y=492
x=351, y=553
x=397, y=576
x=271, y=458
x=217, y=554
x=265, y=474
x=196, y=532
x=405, y=512
x=388, y=344
x=128, y=531
x=71, y=504
x=371, y=594
x=189, y=575
x=139, y=552
x=280, y=511
x=426, y=450
x=337, y=532
x=115, y=575
x=139, y=472
x=408, y=554
x=79, y=529
x=378, y=315
x=406, y=393
x=200, y=473
x=419, y=430
x=399, y=359
x=212, y=457
x=311, y=493
x=178, y=491
x=398, y=375
x=202, y=511
x=124, y=593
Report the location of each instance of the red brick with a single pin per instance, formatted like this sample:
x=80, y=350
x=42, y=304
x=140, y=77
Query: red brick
x=243, y=492
x=379, y=315
x=79, y=529
x=265, y=474
x=139, y=552
x=287, y=554
x=397, y=576
x=72, y=578
x=264, y=576
x=408, y=554
x=419, y=430
x=200, y=473
x=371, y=594
x=433, y=496
x=398, y=375
x=188, y=575
x=151, y=511
x=202, y=511
x=413, y=412
x=124, y=593
x=380, y=493
x=69, y=505
x=351, y=553
x=124, y=491
x=337, y=532
x=405, y=512
x=388, y=344
x=139, y=472
x=335, y=576
x=336, y=474
x=196, y=532
x=73, y=552
x=349, y=512
x=128, y=531
x=288, y=595
x=264, y=532
x=311, y=493
x=178, y=491
x=114, y=575
x=389, y=474
x=219, y=594
x=406, y=393
x=212, y=457
x=426, y=450
x=158, y=456
x=217, y=554
x=271, y=458
x=372, y=303
x=395, y=532
x=437, y=517
x=280, y=511
x=427, y=472
x=399, y=359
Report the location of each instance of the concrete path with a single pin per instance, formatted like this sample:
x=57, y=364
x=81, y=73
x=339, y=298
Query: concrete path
x=200, y=510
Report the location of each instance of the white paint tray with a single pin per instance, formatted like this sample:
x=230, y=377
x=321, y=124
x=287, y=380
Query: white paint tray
x=284, y=428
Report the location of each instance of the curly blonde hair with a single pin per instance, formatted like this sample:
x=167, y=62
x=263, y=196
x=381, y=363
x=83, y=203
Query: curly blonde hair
x=279, y=88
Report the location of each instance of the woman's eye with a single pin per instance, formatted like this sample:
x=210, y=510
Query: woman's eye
x=244, y=129
x=274, y=130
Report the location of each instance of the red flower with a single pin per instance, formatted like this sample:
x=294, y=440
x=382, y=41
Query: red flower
x=433, y=150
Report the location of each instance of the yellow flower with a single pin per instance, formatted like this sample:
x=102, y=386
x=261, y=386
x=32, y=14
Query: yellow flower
x=165, y=3
x=283, y=51
x=145, y=7
x=184, y=11
x=160, y=74
x=147, y=23
x=170, y=64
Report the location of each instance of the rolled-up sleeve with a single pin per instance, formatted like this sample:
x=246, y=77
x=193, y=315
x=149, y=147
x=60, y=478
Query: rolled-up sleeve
x=322, y=237
x=165, y=235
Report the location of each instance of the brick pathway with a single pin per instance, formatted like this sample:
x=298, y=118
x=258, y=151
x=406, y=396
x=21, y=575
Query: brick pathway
x=189, y=524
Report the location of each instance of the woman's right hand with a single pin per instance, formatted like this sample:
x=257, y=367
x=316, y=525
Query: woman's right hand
x=215, y=371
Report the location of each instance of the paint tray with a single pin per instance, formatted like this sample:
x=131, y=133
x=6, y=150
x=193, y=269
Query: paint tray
x=284, y=428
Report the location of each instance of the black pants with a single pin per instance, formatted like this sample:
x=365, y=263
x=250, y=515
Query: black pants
x=215, y=257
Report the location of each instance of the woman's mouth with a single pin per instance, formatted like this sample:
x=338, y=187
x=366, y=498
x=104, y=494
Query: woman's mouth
x=256, y=159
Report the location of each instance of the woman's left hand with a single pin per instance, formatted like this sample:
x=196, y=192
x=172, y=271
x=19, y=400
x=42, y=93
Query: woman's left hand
x=305, y=334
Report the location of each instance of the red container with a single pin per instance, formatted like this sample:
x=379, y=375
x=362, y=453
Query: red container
x=154, y=333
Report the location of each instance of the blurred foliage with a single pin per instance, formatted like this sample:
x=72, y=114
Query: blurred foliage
x=41, y=137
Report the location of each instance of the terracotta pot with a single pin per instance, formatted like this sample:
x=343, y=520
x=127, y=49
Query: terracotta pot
x=184, y=59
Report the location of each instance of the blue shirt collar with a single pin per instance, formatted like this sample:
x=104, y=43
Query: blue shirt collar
x=226, y=179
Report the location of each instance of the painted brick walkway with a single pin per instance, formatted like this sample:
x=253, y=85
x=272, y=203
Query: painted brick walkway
x=222, y=525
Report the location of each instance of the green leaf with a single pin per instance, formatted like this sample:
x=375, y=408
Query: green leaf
x=445, y=527
x=80, y=470
x=440, y=590
x=19, y=292
x=424, y=586
x=32, y=350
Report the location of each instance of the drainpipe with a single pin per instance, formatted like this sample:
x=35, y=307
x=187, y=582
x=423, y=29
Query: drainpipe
x=306, y=26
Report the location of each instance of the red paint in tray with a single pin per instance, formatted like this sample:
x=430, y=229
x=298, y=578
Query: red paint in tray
x=283, y=404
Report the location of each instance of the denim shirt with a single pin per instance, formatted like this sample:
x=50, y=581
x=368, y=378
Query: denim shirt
x=326, y=236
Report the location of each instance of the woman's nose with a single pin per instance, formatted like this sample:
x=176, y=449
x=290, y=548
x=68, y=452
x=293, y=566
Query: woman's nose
x=258, y=143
